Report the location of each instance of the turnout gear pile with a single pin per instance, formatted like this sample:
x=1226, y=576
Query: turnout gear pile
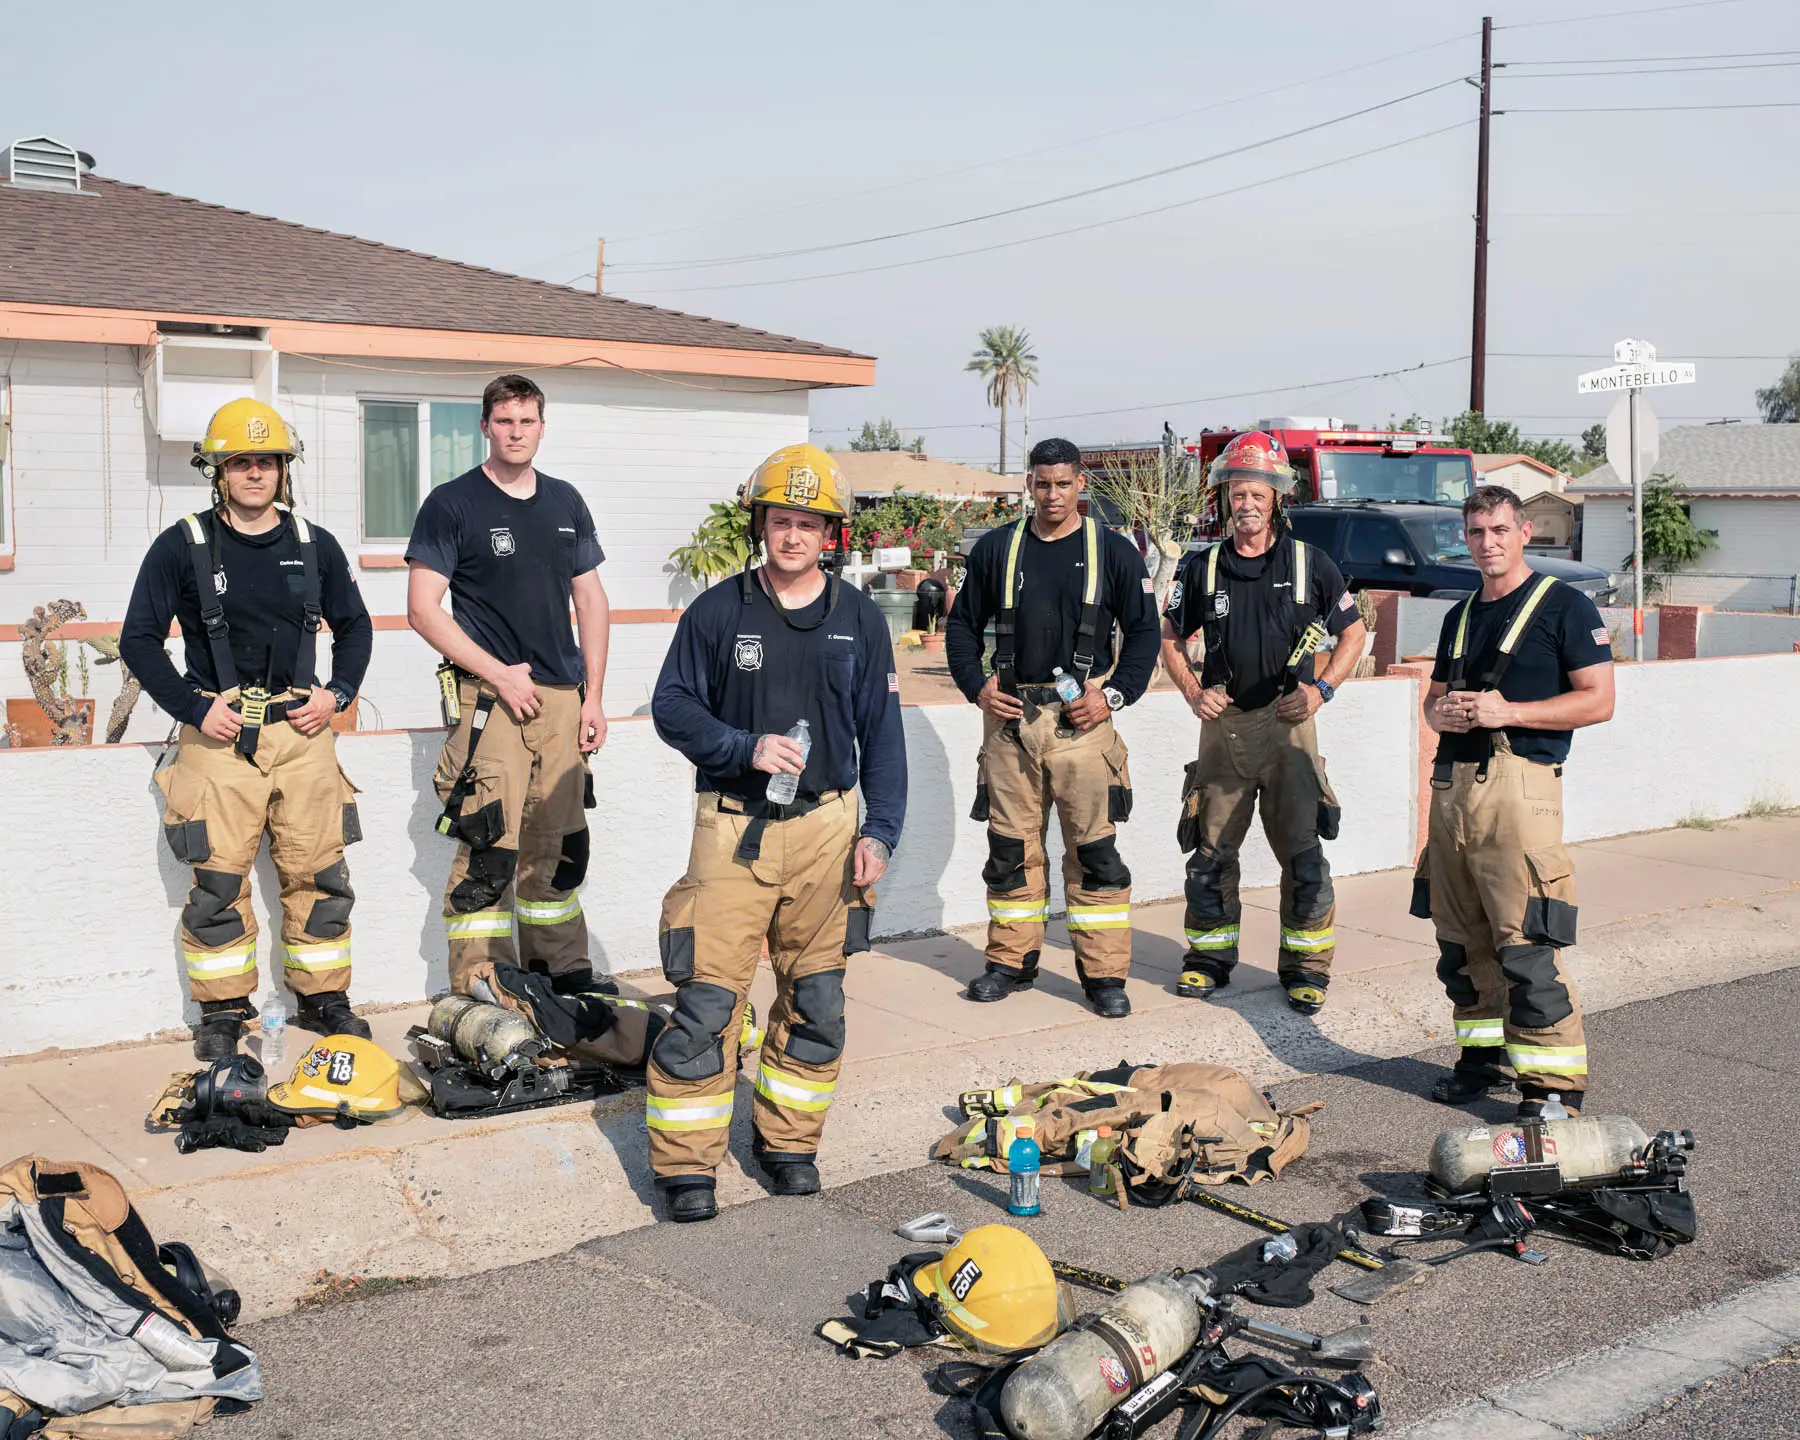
x=1250, y=760
x=1159, y=1129
x=515, y=796
x=1498, y=885
x=98, y=1321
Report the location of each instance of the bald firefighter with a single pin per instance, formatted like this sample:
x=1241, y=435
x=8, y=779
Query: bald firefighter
x=1521, y=665
x=1266, y=601
x=250, y=582
x=1069, y=600
x=514, y=550
x=752, y=658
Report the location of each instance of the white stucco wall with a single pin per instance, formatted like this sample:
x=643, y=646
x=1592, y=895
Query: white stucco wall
x=92, y=486
x=94, y=956
x=1726, y=633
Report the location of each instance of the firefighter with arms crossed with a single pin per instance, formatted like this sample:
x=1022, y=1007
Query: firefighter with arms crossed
x=1057, y=586
x=514, y=549
x=1265, y=601
x=250, y=581
x=754, y=655
x=1520, y=666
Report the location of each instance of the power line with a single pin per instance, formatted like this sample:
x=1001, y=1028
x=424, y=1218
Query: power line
x=1660, y=70
x=1183, y=404
x=1649, y=59
x=1067, y=230
x=1589, y=355
x=1041, y=204
x=1040, y=150
x=1617, y=14
x=1640, y=109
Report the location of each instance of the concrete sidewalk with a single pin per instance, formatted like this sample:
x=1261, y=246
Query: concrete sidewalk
x=1661, y=913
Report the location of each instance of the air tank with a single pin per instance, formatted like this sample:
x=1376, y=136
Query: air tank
x=1584, y=1146
x=485, y=1034
x=1063, y=1391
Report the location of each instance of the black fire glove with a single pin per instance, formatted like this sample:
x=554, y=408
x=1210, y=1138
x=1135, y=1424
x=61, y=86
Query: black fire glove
x=255, y=1127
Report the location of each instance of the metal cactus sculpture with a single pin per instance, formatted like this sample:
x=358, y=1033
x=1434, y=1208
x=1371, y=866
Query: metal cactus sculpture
x=46, y=667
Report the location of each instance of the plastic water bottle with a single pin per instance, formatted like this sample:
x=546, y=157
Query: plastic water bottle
x=783, y=787
x=1023, y=1162
x=1067, y=686
x=273, y=1024
x=1280, y=1250
x=1554, y=1109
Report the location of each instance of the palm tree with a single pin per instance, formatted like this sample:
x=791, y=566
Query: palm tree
x=1008, y=364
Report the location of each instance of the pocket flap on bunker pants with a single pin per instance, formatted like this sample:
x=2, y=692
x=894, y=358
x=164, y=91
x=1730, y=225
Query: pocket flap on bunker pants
x=1549, y=865
x=1118, y=792
x=183, y=828
x=1550, y=914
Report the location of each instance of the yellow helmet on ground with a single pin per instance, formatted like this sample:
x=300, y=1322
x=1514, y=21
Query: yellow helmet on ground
x=244, y=427
x=799, y=477
x=995, y=1291
x=342, y=1076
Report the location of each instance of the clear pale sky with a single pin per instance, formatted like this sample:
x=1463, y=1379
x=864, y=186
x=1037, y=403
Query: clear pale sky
x=512, y=136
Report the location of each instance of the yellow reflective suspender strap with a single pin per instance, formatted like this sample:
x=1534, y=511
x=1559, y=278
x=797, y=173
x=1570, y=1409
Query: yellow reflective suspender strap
x=1091, y=595
x=1087, y=631
x=1509, y=641
x=1212, y=570
x=1005, y=658
x=1299, y=572
x=1517, y=629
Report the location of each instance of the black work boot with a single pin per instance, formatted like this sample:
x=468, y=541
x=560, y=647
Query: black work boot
x=1199, y=984
x=998, y=981
x=1108, y=998
x=1477, y=1073
x=330, y=1014
x=790, y=1172
x=1305, y=993
x=689, y=1198
x=221, y=1023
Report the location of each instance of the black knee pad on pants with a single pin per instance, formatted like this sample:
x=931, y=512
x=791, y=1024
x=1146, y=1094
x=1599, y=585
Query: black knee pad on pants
x=1313, y=892
x=208, y=914
x=490, y=872
x=572, y=869
x=819, y=1037
x=689, y=1047
x=1205, y=890
x=1005, y=869
x=1536, y=995
x=1102, y=867
x=330, y=914
x=1452, y=960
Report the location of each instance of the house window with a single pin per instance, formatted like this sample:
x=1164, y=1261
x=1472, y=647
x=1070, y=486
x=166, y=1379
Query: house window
x=408, y=448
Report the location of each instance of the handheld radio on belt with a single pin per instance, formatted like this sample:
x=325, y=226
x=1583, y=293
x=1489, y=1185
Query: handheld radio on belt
x=253, y=707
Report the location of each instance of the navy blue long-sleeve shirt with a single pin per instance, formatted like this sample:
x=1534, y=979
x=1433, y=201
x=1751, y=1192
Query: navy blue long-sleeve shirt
x=263, y=598
x=741, y=668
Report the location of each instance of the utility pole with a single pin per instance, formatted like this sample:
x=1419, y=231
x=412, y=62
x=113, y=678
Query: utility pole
x=600, y=265
x=1478, y=340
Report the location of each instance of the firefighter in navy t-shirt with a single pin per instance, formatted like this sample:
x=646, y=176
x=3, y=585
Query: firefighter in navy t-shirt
x=1521, y=665
x=752, y=657
x=514, y=549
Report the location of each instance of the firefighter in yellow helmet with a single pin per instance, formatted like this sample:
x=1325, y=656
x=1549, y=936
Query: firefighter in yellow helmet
x=780, y=688
x=250, y=581
x=1265, y=601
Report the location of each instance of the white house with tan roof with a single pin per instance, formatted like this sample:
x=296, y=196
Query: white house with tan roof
x=127, y=315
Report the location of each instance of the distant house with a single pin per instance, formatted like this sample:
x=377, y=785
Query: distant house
x=1740, y=480
x=128, y=315
x=1524, y=475
x=1555, y=521
x=875, y=473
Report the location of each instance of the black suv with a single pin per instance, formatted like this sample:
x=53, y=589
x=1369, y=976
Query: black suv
x=1417, y=548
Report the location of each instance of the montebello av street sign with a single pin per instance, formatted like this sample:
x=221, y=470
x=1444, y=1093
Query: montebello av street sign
x=1634, y=368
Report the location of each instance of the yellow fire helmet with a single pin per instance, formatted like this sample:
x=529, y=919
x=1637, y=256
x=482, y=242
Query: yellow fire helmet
x=244, y=427
x=342, y=1076
x=799, y=477
x=995, y=1291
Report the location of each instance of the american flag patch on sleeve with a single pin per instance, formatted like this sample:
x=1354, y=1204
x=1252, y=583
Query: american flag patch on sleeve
x=894, y=682
x=1149, y=588
x=1345, y=602
x=1601, y=637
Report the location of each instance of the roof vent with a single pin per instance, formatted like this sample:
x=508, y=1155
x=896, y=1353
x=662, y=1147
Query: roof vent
x=41, y=163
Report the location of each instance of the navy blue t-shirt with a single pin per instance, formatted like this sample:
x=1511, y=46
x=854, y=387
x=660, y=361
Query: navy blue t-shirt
x=511, y=564
x=1565, y=634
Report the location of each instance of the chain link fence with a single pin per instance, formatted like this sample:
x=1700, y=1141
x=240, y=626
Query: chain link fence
x=1722, y=589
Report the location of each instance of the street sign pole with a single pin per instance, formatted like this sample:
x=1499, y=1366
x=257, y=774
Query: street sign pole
x=1637, y=536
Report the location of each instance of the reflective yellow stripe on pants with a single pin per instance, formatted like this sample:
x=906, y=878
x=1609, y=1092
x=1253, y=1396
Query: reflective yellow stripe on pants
x=478, y=924
x=212, y=964
x=547, y=912
x=696, y=1112
x=1016, y=914
x=313, y=959
x=1481, y=1032
x=1571, y=1060
x=1224, y=938
x=1099, y=917
x=792, y=1092
x=1307, y=940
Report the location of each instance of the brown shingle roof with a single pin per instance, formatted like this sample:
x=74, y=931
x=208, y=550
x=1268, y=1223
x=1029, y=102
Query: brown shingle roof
x=121, y=246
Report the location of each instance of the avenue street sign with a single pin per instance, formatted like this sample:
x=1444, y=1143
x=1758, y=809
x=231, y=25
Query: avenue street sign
x=1621, y=378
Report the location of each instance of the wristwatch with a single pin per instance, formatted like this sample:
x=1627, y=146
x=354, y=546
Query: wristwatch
x=343, y=700
x=1114, y=699
x=1325, y=688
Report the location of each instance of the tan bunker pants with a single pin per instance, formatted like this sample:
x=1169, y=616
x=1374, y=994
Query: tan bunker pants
x=750, y=880
x=1251, y=760
x=522, y=837
x=1024, y=770
x=1502, y=897
x=218, y=806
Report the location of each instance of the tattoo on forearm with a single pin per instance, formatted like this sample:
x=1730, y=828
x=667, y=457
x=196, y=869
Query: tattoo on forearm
x=879, y=847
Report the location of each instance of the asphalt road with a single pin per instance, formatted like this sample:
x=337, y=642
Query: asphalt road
x=703, y=1331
